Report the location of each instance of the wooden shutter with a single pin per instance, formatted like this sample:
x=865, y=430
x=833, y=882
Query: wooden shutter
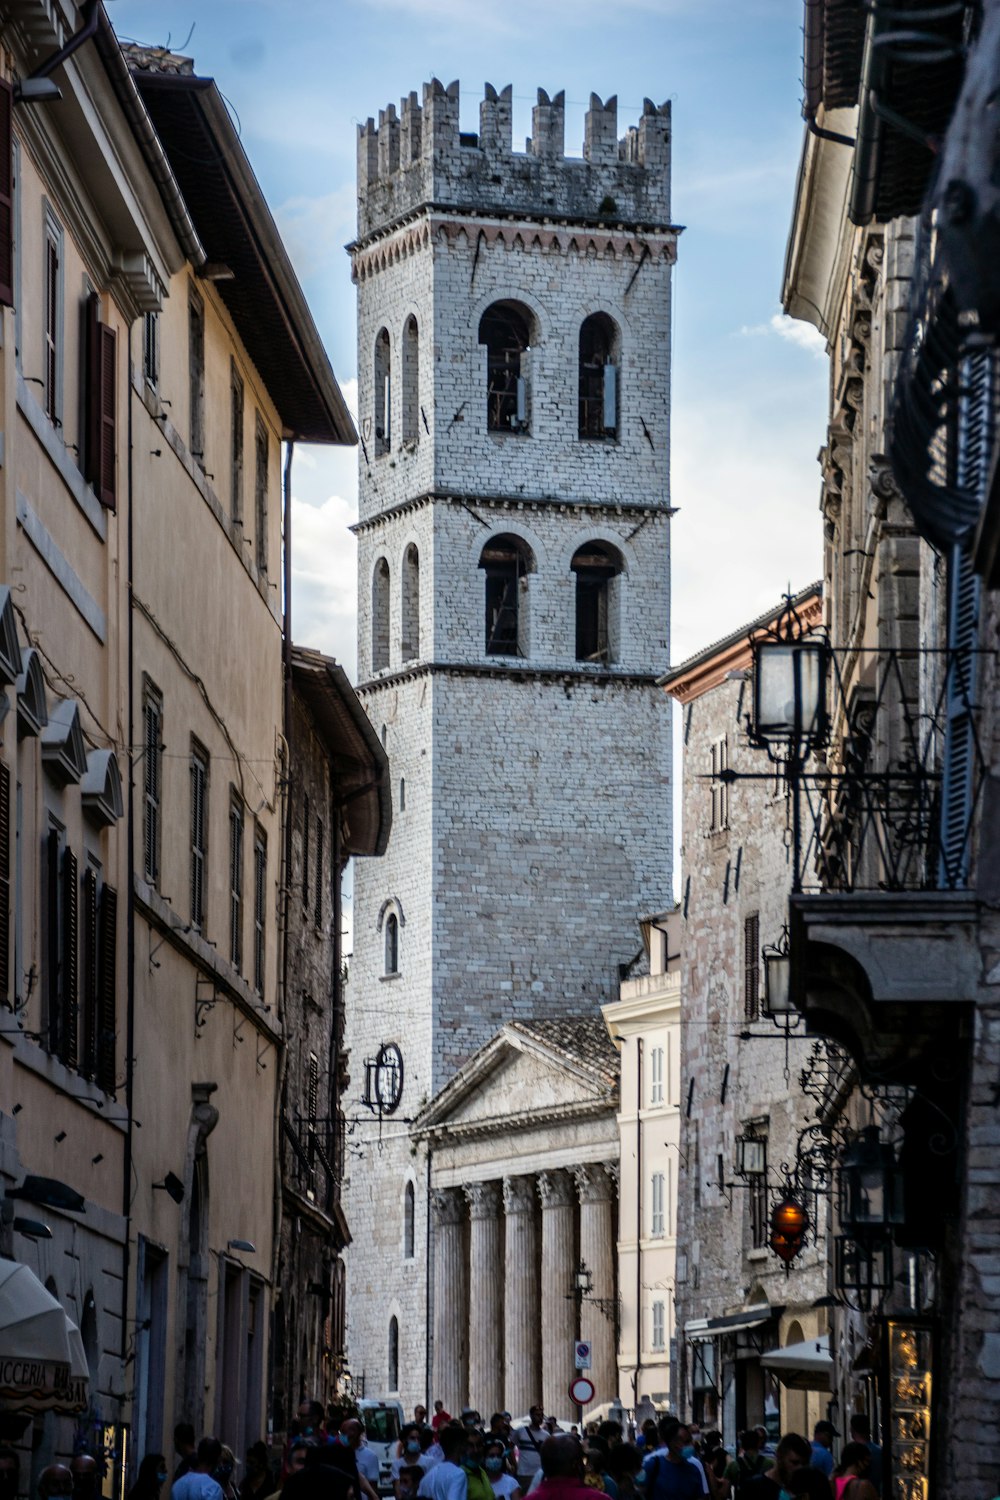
x=90, y=1020
x=69, y=1051
x=318, y=914
x=5, y=984
x=92, y=389
x=107, y=983
x=751, y=966
x=6, y=194
x=53, y=978
x=106, y=485
x=197, y=840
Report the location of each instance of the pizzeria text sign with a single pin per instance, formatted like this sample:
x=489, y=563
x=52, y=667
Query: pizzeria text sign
x=41, y=1385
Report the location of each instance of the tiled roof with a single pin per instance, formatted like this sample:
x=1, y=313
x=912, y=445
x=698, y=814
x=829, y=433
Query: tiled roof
x=585, y=1041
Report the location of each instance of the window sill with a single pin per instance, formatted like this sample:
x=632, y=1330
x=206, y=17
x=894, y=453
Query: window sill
x=508, y=432
x=757, y=1256
x=612, y=441
x=385, y=978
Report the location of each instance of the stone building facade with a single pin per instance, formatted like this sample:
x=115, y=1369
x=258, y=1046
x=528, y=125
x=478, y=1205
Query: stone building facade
x=739, y=1075
x=514, y=593
x=645, y=1025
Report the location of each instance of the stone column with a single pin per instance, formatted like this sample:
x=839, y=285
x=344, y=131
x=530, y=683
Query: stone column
x=597, y=1251
x=486, y=1310
x=521, y=1295
x=451, y=1301
x=558, y=1303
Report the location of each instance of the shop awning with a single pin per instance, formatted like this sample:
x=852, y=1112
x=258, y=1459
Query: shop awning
x=748, y=1317
x=802, y=1367
x=43, y=1366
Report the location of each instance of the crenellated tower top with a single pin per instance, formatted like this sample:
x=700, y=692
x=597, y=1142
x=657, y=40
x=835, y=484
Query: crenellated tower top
x=419, y=156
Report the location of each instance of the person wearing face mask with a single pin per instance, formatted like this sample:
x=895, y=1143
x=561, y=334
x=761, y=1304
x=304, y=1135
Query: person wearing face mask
x=151, y=1478
x=411, y=1456
x=504, y=1485
x=258, y=1481
x=10, y=1473
x=476, y=1477
x=225, y=1474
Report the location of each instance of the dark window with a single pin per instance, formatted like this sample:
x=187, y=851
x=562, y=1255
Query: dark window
x=260, y=494
x=101, y=403
x=5, y=904
x=89, y=965
x=305, y=852
x=151, y=347
x=152, y=761
x=394, y=1354
x=380, y=616
x=62, y=974
x=199, y=833
x=596, y=566
x=107, y=989
x=392, y=944
x=505, y=329
x=598, y=377
x=52, y=331
x=318, y=912
x=410, y=644
x=409, y=1206
x=236, y=455
x=259, y=907
x=506, y=562
x=751, y=966
x=402, y=794
x=383, y=393
x=411, y=382
x=196, y=375
x=6, y=194
x=236, y=881
x=757, y=1207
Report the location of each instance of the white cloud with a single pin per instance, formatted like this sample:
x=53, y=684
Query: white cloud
x=315, y=230
x=324, y=578
x=792, y=330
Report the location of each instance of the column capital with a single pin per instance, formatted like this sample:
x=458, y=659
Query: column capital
x=519, y=1194
x=555, y=1189
x=593, y=1183
x=448, y=1205
x=483, y=1199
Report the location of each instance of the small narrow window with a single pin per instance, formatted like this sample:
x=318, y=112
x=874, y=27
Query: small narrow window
x=409, y=1206
x=8, y=211
x=199, y=833
x=656, y=1075
x=305, y=852
x=506, y=561
x=393, y=1354
x=720, y=784
x=506, y=330
x=383, y=393
x=152, y=764
x=380, y=616
x=259, y=906
x=598, y=377
x=402, y=794
x=236, y=880
x=657, y=1221
x=236, y=449
x=52, y=374
x=318, y=909
x=261, y=447
x=411, y=382
x=757, y=1205
x=151, y=347
x=196, y=374
x=659, y=1327
x=410, y=581
x=89, y=1007
x=751, y=966
x=392, y=944
x=107, y=990
x=598, y=569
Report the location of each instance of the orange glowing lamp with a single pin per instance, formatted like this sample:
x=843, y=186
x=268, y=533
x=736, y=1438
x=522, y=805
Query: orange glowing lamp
x=789, y=1226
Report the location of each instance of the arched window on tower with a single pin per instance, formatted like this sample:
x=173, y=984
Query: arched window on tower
x=380, y=616
x=506, y=330
x=411, y=382
x=394, y=1354
x=392, y=944
x=383, y=393
x=598, y=568
x=506, y=561
x=599, y=355
x=411, y=603
x=409, y=1206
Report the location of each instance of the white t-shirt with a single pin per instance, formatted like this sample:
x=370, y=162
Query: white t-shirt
x=367, y=1464
x=529, y=1442
x=445, y=1481
x=192, y=1486
x=407, y=1461
x=504, y=1484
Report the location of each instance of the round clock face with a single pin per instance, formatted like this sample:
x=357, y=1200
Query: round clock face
x=388, y=1077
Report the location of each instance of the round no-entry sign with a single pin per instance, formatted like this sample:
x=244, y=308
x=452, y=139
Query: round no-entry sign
x=581, y=1390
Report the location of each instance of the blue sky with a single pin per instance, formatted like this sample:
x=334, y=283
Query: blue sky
x=749, y=387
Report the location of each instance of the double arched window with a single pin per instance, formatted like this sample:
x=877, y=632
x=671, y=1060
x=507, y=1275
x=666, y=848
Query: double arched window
x=411, y=382
x=598, y=567
x=393, y=1354
x=380, y=616
x=506, y=328
x=410, y=640
x=383, y=393
x=409, y=1215
x=392, y=944
x=599, y=358
x=507, y=561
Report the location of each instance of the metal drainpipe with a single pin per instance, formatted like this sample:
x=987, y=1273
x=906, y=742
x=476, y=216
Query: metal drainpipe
x=427, y=1289
x=130, y=893
x=333, y=1106
x=638, y=1225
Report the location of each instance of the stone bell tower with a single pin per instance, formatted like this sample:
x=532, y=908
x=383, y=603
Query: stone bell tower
x=514, y=585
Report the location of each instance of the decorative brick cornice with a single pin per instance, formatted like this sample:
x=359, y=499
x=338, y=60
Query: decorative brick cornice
x=548, y=503
x=589, y=676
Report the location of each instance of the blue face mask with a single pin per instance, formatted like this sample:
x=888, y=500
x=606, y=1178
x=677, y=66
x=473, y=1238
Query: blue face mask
x=494, y=1465
x=688, y=1450
x=413, y=1447
x=640, y=1479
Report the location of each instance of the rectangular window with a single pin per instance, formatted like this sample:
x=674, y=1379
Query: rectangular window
x=305, y=852
x=318, y=913
x=260, y=495
x=656, y=1075
x=757, y=1206
x=6, y=990
x=8, y=166
x=151, y=347
x=720, y=786
x=751, y=966
x=152, y=768
x=107, y=989
x=199, y=833
x=61, y=903
x=53, y=344
x=196, y=375
x=259, y=906
x=657, y=1224
x=88, y=924
x=235, y=880
x=659, y=1338
x=236, y=453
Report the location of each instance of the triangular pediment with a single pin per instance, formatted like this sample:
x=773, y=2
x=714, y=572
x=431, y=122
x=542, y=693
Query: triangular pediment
x=63, y=753
x=101, y=788
x=32, y=715
x=10, y=646
x=517, y=1079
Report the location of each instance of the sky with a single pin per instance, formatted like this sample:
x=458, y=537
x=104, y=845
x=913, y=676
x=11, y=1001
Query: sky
x=749, y=385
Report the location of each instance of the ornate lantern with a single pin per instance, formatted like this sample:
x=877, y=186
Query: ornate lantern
x=751, y=1155
x=862, y=1270
x=789, y=1226
x=789, y=688
x=871, y=1185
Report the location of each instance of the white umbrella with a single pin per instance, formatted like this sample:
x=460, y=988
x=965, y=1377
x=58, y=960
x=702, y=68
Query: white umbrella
x=43, y=1366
